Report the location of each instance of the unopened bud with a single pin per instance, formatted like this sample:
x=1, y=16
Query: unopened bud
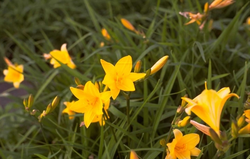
x=158, y=65
x=133, y=155
x=184, y=122
x=234, y=129
x=77, y=81
x=33, y=112
x=55, y=103
x=163, y=142
x=80, y=87
x=137, y=66
x=48, y=109
x=97, y=85
x=43, y=114
x=241, y=121
x=215, y=136
x=128, y=25
x=206, y=8
x=105, y=34
x=30, y=100
x=25, y=103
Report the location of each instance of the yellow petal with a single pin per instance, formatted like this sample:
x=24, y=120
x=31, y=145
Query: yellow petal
x=78, y=93
x=133, y=155
x=245, y=130
x=79, y=106
x=195, y=152
x=136, y=76
x=109, y=81
x=201, y=127
x=223, y=92
x=16, y=84
x=5, y=72
x=108, y=68
x=91, y=89
x=183, y=155
x=105, y=96
x=115, y=92
x=127, y=85
x=124, y=66
x=247, y=113
x=178, y=134
x=191, y=140
x=64, y=47
x=88, y=118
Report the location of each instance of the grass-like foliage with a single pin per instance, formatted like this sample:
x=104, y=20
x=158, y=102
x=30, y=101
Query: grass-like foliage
x=159, y=111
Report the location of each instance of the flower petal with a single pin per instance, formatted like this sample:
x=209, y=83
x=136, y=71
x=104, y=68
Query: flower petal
x=195, y=152
x=191, y=140
x=79, y=106
x=78, y=93
x=88, y=118
x=64, y=47
x=136, y=76
x=91, y=89
x=124, y=66
x=108, y=68
x=223, y=92
x=114, y=93
x=183, y=155
x=177, y=134
x=127, y=85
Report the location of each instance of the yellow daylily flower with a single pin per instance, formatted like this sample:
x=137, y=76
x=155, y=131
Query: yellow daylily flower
x=119, y=77
x=68, y=109
x=246, y=129
x=248, y=21
x=208, y=106
x=13, y=74
x=133, y=155
x=60, y=55
x=216, y=4
x=183, y=147
x=90, y=102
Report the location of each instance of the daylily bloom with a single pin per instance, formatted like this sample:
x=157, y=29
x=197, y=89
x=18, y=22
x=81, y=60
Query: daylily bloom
x=216, y=4
x=68, y=110
x=246, y=129
x=208, y=106
x=90, y=102
x=248, y=21
x=183, y=147
x=133, y=155
x=119, y=77
x=14, y=73
x=60, y=55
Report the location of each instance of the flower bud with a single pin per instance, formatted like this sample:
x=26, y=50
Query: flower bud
x=80, y=87
x=241, y=121
x=55, y=102
x=128, y=25
x=163, y=142
x=184, y=122
x=137, y=66
x=158, y=65
x=133, y=155
x=206, y=8
x=77, y=81
x=215, y=136
x=48, y=109
x=25, y=103
x=234, y=129
x=105, y=34
x=43, y=114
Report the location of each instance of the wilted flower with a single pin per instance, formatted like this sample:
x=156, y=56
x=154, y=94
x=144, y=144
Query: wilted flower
x=60, y=55
x=119, y=77
x=14, y=73
x=183, y=146
x=208, y=106
x=216, y=4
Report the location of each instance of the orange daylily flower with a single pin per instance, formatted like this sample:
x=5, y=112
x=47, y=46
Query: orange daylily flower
x=60, y=55
x=183, y=147
x=216, y=4
x=14, y=73
x=208, y=106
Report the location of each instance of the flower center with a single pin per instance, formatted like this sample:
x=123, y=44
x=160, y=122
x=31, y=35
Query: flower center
x=118, y=79
x=92, y=102
x=181, y=147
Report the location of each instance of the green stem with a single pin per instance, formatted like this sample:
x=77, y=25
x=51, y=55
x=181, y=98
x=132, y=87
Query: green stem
x=128, y=107
x=41, y=126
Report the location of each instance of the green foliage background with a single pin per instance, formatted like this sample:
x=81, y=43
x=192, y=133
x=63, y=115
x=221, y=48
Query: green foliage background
x=30, y=28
